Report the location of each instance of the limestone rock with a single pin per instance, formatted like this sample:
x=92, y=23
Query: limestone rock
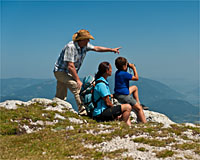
x=61, y=106
x=152, y=116
x=49, y=104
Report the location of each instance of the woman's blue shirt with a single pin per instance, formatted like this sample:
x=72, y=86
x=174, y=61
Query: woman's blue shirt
x=101, y=90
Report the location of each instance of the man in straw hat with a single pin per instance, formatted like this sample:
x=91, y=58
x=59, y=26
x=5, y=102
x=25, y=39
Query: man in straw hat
x=69, y=62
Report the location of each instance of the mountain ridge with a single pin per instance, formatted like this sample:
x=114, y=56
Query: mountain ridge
x=151, y=93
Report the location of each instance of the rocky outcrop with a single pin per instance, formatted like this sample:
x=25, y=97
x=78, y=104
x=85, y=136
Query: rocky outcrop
x=49, y=105
x=55, y=104
x=58, y=105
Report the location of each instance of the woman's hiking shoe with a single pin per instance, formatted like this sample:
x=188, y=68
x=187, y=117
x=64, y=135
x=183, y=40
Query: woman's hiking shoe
x=144, y=107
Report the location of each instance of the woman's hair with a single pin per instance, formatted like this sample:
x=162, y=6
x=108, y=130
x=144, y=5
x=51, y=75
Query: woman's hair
x=120, y=62
x=103, y=67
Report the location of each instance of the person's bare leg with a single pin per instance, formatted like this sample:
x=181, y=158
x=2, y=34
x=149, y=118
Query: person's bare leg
x=126, y=110
x=128, y=121
x=134, y=90
x=140, y=112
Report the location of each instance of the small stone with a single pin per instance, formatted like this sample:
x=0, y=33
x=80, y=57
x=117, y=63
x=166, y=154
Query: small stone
x=68, y=128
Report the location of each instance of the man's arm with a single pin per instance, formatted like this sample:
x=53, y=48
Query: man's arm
x=72, y=70
x=104, y=49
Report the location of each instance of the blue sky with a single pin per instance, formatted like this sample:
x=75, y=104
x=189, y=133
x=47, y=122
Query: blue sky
x=161, y=38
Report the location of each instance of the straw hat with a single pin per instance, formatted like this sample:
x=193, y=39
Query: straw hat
x=81, y=35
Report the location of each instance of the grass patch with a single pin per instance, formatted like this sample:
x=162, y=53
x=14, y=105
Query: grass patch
x=9, y=128
x=53, y=104
x=154, y=142
x=165, y=153
x=114, y=154
x=55, y=145
x=11, y=119
x=195, y=130
x=188, y=146
x=142, y=149
x=174, y=129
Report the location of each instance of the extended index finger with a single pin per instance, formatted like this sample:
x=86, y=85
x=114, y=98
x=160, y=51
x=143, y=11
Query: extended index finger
x=119, y=47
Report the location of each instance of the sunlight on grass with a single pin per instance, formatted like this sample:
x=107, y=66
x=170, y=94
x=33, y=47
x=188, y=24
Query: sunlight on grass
x=55, y=141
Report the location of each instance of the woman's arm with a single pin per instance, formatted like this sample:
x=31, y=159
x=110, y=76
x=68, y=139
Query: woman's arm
x=108, y=101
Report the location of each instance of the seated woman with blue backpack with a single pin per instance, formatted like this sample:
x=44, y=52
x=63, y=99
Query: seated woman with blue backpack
x=104, y=109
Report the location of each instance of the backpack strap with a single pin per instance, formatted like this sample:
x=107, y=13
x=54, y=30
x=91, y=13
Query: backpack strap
x=95, y=103
x=99, y=81
x=83, y=91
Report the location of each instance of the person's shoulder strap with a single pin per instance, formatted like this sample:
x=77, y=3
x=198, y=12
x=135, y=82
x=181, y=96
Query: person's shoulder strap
x=99, y=81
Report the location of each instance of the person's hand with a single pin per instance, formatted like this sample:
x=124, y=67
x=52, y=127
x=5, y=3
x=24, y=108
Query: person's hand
x=119, y=117
x=79, y=84
x=116, y=50
x=132, y=65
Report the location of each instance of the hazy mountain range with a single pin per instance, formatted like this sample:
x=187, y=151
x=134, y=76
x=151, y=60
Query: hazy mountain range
x=158, y=96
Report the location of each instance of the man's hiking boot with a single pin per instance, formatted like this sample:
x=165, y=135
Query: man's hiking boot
x=144, y=107
x=82, y=112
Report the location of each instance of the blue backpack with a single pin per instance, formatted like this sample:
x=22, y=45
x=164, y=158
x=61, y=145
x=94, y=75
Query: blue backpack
x=86, y=94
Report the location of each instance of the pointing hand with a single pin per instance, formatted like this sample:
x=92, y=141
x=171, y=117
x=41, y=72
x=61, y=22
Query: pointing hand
x=116, y=50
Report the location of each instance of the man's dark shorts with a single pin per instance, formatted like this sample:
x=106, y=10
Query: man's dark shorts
x=109, y=114
x=124, y=99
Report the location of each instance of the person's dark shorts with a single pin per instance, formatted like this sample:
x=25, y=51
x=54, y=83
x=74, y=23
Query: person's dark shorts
x=124, y=99
x=109, y=114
